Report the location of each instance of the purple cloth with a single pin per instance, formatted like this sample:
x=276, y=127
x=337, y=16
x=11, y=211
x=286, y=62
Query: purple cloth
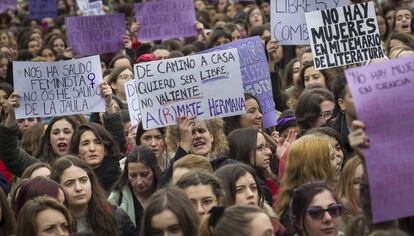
x=39, y=9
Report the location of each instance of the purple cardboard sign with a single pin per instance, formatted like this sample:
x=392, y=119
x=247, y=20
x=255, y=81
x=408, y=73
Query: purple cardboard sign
x=165, y=19
x=39, y=9
x=7, y=5
x=384, y=101
x=255, y=74
x=88, y=35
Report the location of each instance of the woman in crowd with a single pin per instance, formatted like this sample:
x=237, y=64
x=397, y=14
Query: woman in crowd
x=314, y=108
x=7, y=220
x=348, y=187
x=315, y=210
x=220, y=35
x=5, y=91
x=137, y=183
x=249, y=146
x=189, y=163
x=36, y=187
x=168, y=213
x=203, y=189
x=154, y=139
x=337, y=153
x=44, y=216
x=402, y=22
x=95, y=145
x=117, y=79
x=86, y=199
x=253, y=117
x=31, y=136
x=291, y=76
x=308, y=159
x=255, y=17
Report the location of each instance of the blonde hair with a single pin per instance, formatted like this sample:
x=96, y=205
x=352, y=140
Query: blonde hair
x=308, y=160
x=214, y=126
x=345, y=188
x=192, y=161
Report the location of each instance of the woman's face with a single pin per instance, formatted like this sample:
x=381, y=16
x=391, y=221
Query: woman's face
x=336, y=155
x=253, y=116
x=382, y=25
x=231, y=11
x=313, y=76
x=246, y=191
x=235, y=35
x=329, y=224
x=140, y=177
x=48, y=54
x=202, y=197
x=51, y=222
x=91, y=149
x=154, y=140
x=75, y=181
x=33, y=47
x=220, y=41
x=4, y=40
x=262, y=155
x=3, y=67
x=58, y=45
x=221, y=5
x=390, y=18
x=60, y=136
x=296, y=72
x=403, y=21
x=166, y=223
x=326, y=113
x=255, y=18
x=118, y=85
x=261, y=225
x=356, y=180
x=202, y=140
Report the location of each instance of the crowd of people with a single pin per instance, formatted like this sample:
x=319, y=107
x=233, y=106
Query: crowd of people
x=95, y=174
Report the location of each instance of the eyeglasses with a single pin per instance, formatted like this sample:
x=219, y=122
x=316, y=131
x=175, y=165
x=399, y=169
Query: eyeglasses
x=317, y=213
x=326, y=115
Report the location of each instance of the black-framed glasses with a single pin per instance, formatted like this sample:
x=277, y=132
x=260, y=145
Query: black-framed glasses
x=317, y=213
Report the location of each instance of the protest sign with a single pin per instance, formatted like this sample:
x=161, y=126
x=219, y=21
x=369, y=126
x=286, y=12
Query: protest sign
x=95, y=34
x=131, y=94
x=7, y=5
x=58, y=88
x=344, y=35
x=165, y=19
x=255, y=74
x=39, y=9
x=90, y=8
x=384, y=101
x=287, y=18
x=205, y=86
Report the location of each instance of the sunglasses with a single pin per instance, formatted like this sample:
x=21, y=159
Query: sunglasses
x=317, y=213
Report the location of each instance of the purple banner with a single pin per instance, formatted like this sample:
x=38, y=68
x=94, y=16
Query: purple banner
x=7, y=5
x=39, y=9
x=384, y=100
x=88, y=35
x=165, y=19
x=255, y=74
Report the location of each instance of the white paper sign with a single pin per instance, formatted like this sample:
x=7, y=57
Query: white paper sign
x=206, y=86
x=131, y=93
x=287, y=18
x=89, y=8
x=58, y=88
x=344, y=35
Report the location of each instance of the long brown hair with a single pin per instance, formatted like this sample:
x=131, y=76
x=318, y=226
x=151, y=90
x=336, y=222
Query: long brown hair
x=99, y=212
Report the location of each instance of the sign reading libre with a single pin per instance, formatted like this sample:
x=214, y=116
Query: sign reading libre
x=344, y=35
x=206, y=86
x=384, y=100
x=287, y=18
x=58, y=88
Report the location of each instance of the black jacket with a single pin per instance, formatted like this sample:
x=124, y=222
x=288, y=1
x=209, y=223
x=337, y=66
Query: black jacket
x=125, y=225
